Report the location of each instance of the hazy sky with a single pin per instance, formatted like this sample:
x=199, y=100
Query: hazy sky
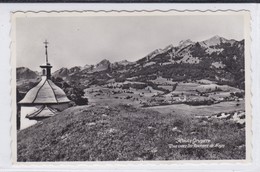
x=76, y=41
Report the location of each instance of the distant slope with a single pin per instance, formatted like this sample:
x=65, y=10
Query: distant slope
x=25, y=73
x=26, y=79
x=216, y=59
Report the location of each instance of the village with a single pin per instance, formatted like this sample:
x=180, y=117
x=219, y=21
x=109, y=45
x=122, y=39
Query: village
x=160, y=107
x=162, y=92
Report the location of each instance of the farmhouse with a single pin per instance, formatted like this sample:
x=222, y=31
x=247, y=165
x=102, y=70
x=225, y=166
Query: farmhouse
x=44, y=100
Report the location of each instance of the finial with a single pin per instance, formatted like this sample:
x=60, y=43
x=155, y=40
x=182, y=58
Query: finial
x=46, y=52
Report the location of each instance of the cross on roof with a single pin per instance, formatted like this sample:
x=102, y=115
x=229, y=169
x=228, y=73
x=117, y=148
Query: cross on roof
x=46, y=53
x=46, y=42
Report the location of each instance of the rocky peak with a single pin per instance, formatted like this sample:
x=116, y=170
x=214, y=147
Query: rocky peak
x=215, y=40
x=124, y=62
x=103, y=65
x=25, y=73
x=75, y=69
x=184, y=43
x=104, y=62
x=169, y=47
x=63, y=70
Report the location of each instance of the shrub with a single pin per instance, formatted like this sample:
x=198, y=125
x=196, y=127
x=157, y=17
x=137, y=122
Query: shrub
x=126, y=86
x=81, y=101
x=120, y=79
x=200, y=102
x=138, y=86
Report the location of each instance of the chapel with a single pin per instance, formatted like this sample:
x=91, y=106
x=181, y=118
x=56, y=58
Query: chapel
x=44, y=100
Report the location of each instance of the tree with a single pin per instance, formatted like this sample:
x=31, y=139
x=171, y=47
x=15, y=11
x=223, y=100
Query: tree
x=91, y=67
x=174, y=87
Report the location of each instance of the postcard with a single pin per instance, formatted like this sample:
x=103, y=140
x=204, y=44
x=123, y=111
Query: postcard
x=131, y=86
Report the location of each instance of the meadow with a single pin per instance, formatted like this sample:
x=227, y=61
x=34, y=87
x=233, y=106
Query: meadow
x=127, y=133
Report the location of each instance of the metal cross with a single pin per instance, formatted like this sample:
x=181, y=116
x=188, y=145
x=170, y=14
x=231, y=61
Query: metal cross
x=46, y=42
x=46, y=53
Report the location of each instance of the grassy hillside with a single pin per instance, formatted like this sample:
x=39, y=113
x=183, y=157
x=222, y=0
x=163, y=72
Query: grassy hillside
x=122, y=132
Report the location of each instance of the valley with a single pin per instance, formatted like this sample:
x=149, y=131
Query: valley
x=140, y=110
x=202, y=97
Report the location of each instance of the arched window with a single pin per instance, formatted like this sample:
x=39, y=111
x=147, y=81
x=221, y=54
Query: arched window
x=43, y=72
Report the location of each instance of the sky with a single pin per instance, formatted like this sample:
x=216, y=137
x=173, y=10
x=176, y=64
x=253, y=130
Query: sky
x=77, y=41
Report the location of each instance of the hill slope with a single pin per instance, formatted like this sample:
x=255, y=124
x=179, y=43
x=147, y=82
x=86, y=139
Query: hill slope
x=122, y=132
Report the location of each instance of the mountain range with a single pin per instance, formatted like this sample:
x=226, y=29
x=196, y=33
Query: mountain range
x=25, y=73
x=216, y=59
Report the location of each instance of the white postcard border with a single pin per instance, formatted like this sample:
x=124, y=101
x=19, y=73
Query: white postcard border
x=248, y=87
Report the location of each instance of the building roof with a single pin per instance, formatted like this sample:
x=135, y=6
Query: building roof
x=43, y=112
x=46, y=92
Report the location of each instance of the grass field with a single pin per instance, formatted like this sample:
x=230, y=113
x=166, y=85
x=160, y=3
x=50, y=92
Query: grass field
x=184, y=109
x=167, y=92
x=122, y=132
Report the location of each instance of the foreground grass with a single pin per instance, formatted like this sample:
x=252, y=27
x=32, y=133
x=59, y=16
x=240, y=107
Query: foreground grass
x=127, y=133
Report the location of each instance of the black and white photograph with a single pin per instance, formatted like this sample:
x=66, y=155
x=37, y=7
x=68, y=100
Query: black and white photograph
x=131, y=86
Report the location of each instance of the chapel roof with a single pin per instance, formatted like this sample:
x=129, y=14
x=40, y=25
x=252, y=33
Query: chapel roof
x=43, y=112
x=45, y=92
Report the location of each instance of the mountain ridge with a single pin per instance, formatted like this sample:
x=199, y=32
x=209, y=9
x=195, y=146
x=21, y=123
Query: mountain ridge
x=216, y=58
